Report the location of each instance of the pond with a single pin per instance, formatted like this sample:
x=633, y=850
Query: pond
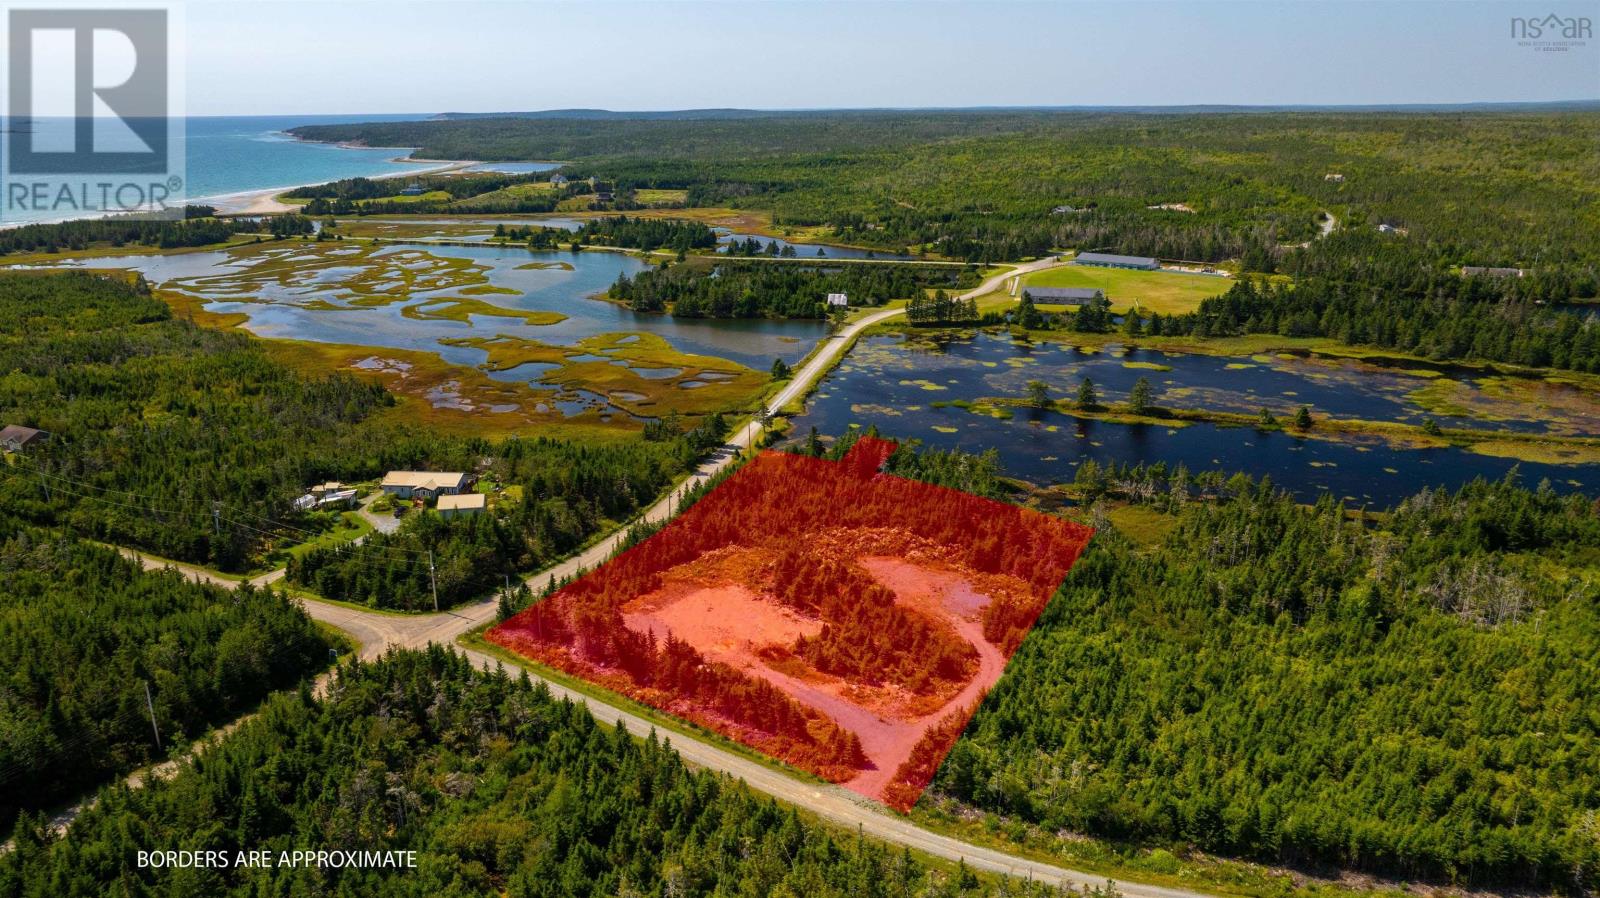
x=899, y=384
x=513, y=168
x=809, y=250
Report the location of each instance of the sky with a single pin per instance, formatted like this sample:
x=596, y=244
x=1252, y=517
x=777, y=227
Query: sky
x=265, y=57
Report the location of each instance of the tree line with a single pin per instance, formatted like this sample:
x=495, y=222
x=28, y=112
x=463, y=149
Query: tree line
x=197, y=227
x=1459, y=318
x=731, y=289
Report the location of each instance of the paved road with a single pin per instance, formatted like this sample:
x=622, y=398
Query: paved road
x=377, y=631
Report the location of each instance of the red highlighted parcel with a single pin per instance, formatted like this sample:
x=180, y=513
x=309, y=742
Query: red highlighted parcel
x=844, y=621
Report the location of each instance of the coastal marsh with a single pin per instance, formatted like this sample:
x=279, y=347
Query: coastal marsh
x=436, y=323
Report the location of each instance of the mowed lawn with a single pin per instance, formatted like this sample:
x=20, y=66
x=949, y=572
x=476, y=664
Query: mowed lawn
x=1166, y=292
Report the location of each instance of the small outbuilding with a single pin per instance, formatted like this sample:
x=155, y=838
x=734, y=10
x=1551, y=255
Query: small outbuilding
x=462, y=505
x=1112, y=260
x=17, y=438
x=315, y=499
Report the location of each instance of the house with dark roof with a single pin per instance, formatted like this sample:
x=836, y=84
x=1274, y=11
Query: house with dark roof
x=1112, y=260
x=16, y=438
x=415, y=188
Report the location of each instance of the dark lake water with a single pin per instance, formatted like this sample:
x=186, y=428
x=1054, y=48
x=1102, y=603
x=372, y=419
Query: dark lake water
x=892, y=383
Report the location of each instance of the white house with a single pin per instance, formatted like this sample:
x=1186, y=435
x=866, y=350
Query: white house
x=838, y=300
x=315, y=499
x=425, y=484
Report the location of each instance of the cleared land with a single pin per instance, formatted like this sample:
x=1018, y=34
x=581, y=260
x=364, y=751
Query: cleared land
x=840, y=620
x=1163, y=292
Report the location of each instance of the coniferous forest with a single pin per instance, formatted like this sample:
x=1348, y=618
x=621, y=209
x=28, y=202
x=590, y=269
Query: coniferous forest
x=84, y=631
x=1413, y=696
x=498, y=787
x=1498, y=189
x=192, y=443
x=756, y=290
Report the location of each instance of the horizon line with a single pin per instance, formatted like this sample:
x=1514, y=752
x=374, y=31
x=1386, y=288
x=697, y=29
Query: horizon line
x=780, y=110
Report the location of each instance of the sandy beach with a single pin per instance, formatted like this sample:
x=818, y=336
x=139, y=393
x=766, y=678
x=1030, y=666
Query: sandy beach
x=265, y=202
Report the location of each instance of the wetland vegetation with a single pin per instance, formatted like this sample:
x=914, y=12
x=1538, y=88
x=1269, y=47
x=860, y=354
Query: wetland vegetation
x=1346, y=369
x=1369, y=443
x=416, y=314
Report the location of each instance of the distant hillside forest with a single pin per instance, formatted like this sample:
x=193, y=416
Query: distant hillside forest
x=1489, y=188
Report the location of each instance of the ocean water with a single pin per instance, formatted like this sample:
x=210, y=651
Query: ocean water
x=233, y=154
x=229, y=154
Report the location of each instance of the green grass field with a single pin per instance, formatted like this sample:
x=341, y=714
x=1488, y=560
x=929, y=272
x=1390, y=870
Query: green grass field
x=432, y=196
x=1165, y=292
x=661, y=197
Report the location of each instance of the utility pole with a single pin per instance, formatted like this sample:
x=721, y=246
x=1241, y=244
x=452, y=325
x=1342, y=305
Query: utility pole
x=216, y=517
x=152, y=706
x=433, y=580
